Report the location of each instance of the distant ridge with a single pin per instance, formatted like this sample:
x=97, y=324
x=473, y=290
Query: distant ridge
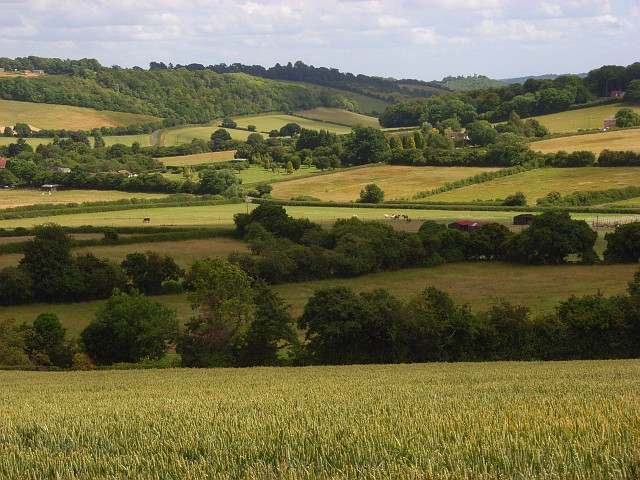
x=548, y=76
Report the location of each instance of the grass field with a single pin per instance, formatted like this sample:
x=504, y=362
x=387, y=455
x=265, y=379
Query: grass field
x=538, y=183
x=47, y=116
x=396, y=181
x=144, y=140
x=593, y=142
x=479, y=284
x=338, y=116
x=265, y=123
x=484, y=420
x=14, y=197
x=582, y=119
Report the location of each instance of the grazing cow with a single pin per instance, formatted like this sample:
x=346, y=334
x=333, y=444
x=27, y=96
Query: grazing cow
x=146, y=220
x=354, y=216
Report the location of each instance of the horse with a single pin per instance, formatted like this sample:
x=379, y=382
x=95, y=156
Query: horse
x=146, y=220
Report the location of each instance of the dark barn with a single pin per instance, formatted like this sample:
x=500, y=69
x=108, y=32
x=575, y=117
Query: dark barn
x=523, y=219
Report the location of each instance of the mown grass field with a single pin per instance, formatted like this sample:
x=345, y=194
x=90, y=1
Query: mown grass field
x=47, y=116
x=180, y=136
x=338, y=116
x=484, y=420
x=10, y=197
x=396, y=181
x=582, y=119
x=592, y=142
x=144, y=140
x=538, y=183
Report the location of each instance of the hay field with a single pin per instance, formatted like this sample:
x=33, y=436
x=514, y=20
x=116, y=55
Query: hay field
x=538, y=183
x=339, y=116
x=265, y=123
x=582, y=119
x=47, y=116
x=396, y=181
x=593, y=142
x=438, y=421
x=10, y=197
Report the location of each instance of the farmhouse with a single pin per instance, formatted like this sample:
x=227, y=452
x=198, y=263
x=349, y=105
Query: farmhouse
x=466, y=225
x=3, y=163
x=609, y=122
x=617, y=94
x=523, y=219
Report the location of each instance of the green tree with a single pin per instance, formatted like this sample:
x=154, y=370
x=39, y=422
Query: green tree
x=626, y=117
x=481, y=133
x=222, y=296
x=98, y=141
x=219, y=182
x=17, y=286
x=12, y=345
x=220, y=140
x=371, y=193
x=551, y=238
x=228, y=122
x=128, y=328
x=632, y=93
x=53, y=270
x=45, y=341
x=623, y=245
x=365, y=145
x=289, y=168
x=271, y=330
x=22, y=129
x=100, y=276
x=517, y=199
x=8, y=132
x=149, y=271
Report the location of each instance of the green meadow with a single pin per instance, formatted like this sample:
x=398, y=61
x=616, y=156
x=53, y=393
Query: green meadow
x=628, y=139
x=338, y=116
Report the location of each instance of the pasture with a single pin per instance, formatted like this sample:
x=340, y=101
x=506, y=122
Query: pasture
x=265, y=123
x=581, y=119
x=482, y=420
x=143, y=139
x=538, y=183
x=338, y=116
x=592, y=142
x=10, y=197
x=180, y=136
x=47, y=116
x=396, y=181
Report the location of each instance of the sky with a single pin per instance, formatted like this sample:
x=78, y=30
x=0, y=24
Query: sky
x=420, y=39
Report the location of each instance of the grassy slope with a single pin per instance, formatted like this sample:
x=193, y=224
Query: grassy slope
x=14, y=198
x=593, y=142
x=198, y=158
x=365, y=102
x=582, y=119
x=396, y=181
x=537, y=183
x=342, y=117
x=48, y=116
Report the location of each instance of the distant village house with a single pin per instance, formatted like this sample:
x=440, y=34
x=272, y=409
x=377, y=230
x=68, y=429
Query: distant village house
x=609, y=122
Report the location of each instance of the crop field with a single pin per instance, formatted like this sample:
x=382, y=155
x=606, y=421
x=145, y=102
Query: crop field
x=483, y=420
x=180, y=136
x=336, y=115
x=10, y=197
x=198, y=158
x=592, y=142
x=538, y=183
x=143, y=139
x=582, y=119
x=396, y=181
x=46, y=116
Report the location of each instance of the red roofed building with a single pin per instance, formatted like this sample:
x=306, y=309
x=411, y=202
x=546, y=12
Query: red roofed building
x=3, y=163
x=466, y=225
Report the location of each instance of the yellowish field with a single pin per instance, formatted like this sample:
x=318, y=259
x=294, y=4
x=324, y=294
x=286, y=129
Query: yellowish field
x=46, y=116
x=583, y=119
x=144, y=140
x=198, y=158
x=574, y=420
x=15, y=198
x=396, y=181
x=180, y=136
x=538, y=183
x=342, y=117
x=265, y=123
x=593, y=142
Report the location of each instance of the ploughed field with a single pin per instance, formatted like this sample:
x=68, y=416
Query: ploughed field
x=484, y=420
